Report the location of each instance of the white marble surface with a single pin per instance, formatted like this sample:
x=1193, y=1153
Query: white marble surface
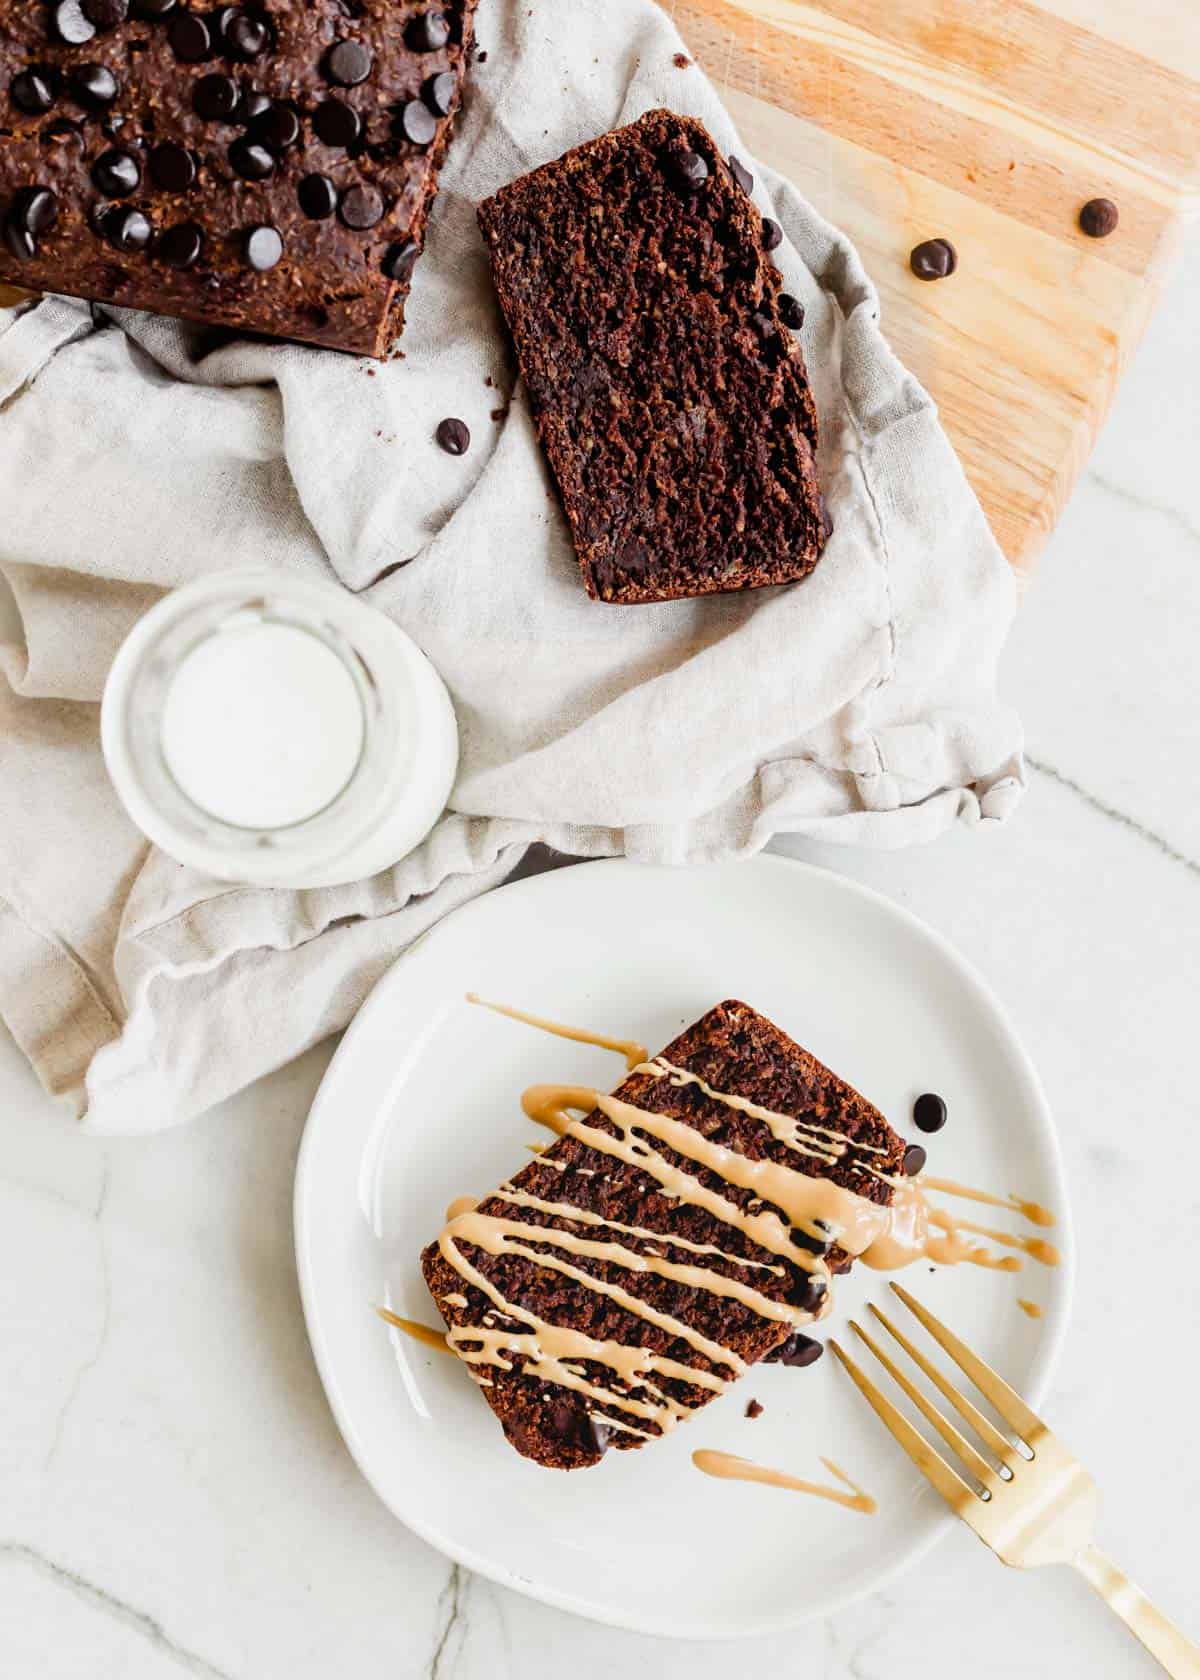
x=174, y=1497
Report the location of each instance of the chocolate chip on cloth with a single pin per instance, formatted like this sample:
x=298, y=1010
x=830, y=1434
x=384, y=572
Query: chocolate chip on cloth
x=933, y=259
x=453, y=436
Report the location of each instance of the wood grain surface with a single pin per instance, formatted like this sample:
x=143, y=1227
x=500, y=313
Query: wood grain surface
x=989, y=122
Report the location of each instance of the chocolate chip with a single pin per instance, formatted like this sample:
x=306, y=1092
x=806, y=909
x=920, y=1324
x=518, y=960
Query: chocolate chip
x=687, y=169
x=32, y=91
x=914, y=1160
x=741, y=174
x=263, y=246
x=216, y=98
x=93, y=85
x=799, y=1350
x=19, y=240
x=1099, y=218
x=172, y=167
x=117, y=174
x=438, y=92
x=253, y=105
x=252, y=162
x=453, y=436
x=772, y=234
x=318, y=197
x=418, y=123
x=106, y=14
x=791, y=311
x=245, y=36
x=35, y=209
x=360, y=208
x=754, y=1409
x=152, y=9
x=428, y=33
x=190, y=37
x=180, y=246
x=61, y=130
x=348, y=64
x=809, y=1292
x=933, y=259
x=400, y=260
x=127, y=228
x=929, y=1112
x=336, y=124
x=278, y=127
x=70, y=23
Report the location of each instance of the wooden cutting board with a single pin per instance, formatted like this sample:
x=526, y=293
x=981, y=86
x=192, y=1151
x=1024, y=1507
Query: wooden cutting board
x=988, y=122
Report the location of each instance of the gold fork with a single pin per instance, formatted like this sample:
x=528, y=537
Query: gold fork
x=1029, y=1501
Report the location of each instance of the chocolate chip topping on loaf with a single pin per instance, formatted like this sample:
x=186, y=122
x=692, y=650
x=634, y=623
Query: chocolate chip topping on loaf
x=665, y=1278
x=267, y=167
x=668, y=393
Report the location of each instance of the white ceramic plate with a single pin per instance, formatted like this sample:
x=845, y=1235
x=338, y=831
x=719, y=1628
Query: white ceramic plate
x=421, y=1105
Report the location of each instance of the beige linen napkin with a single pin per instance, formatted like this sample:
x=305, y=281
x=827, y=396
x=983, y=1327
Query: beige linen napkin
x=859, y=706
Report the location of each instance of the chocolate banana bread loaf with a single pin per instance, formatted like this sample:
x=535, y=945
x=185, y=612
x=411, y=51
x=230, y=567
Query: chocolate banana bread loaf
x=267, y=167
x=667, y=390
x=667, y=1240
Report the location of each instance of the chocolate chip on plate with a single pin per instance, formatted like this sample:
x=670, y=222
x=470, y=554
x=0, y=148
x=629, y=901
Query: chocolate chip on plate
x=438, y=92
x=32, y=91
x=172, y=167
x=914, y=1160
x=741, y=174
x=216, y=98
x=348, y=64
x=400, y=260
x=263, y=246
x=127, y=228
x=318, y=197
x=929, y=1112
x=428, y=32
x=336, y=124
x=1099, y=218
x=360, y=208
x=35, y=209
x=71, y=23
x=754, y=1408
x=933, y=259
x=772, y=234
x=190, y=37
x=687, y=169
x=799, y=1350
x=453, y=436
x=278, y=127
x=245, y=36
x=252, y=162
x=418, y=123
x=180, y=246
x=106, y=14
x=117, y=174
x=93, y=86
x=791, y=311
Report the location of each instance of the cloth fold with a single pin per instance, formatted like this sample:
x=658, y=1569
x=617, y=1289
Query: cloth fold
x=137, y=453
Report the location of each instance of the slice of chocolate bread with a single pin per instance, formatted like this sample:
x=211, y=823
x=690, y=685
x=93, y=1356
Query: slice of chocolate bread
x=671, y=1237
x=667, y=391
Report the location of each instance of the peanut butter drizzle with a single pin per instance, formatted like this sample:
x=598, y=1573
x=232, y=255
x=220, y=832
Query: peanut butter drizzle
x=1033, y=1211
x=731, y=1468
x=460, y=1204
x=419, y=1332
x=582, y=1216
x=633, y=1052
x=1036, y=1247
x=1029, y=1308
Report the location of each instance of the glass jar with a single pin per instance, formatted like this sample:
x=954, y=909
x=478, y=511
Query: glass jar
x=277, y=731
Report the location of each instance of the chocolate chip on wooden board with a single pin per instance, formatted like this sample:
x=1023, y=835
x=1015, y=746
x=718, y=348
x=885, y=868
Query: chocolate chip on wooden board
x=933, y=259
x=1099, y=217
x=453, y=436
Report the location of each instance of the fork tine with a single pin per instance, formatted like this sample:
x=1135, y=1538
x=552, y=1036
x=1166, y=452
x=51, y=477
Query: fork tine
x=946, y=1480
x=983, y=1427
x=979, y=1466
x=1006, y=1400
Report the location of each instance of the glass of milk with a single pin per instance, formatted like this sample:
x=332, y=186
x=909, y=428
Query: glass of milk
x=277, y=731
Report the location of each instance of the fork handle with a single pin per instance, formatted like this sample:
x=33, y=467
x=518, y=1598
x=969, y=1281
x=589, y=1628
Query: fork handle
x=1161, y=1638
